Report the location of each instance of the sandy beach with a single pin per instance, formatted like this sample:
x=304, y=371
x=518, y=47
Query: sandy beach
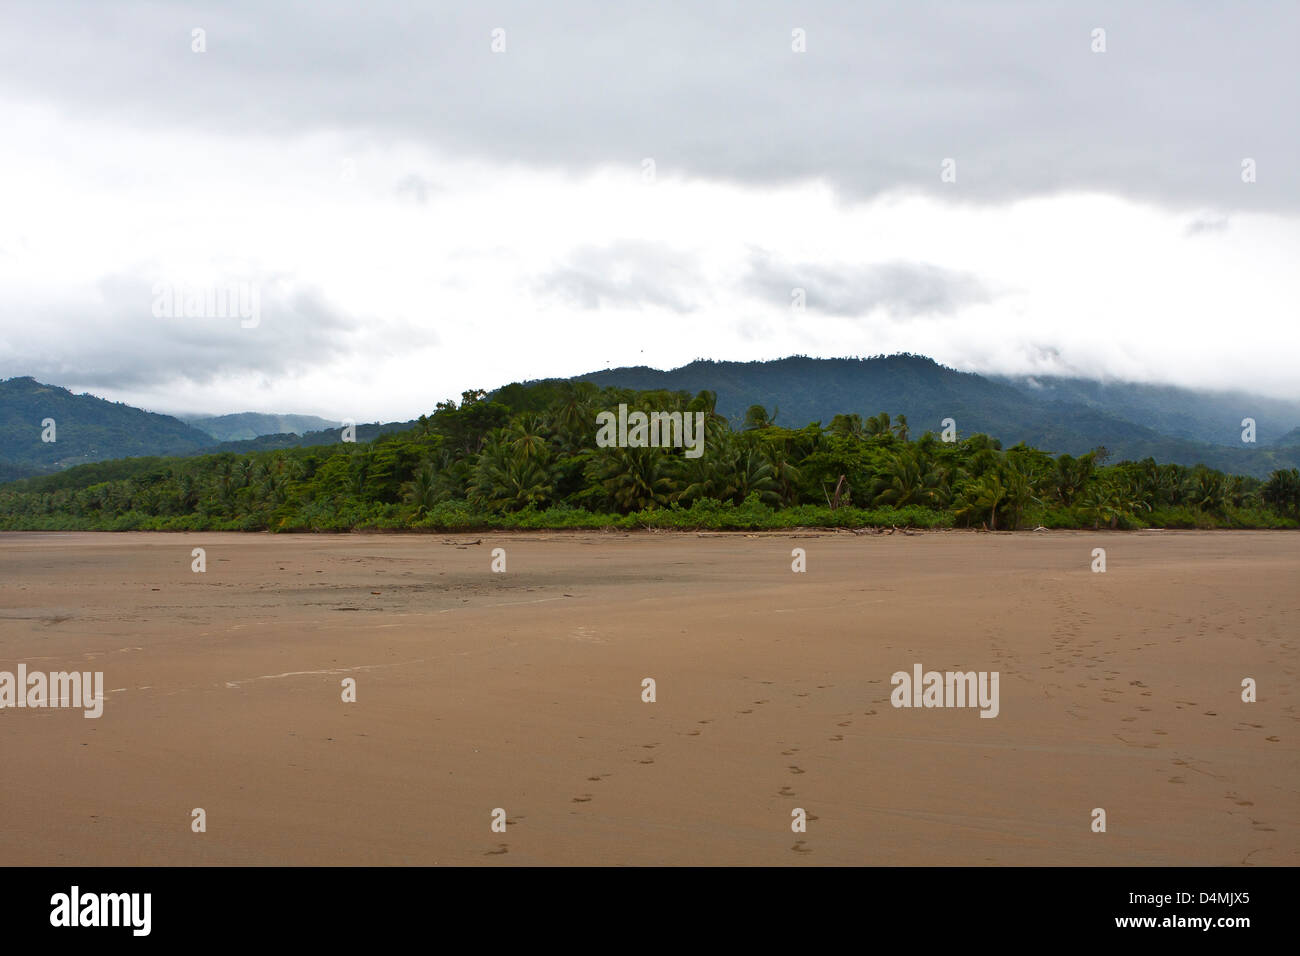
x=523, y=691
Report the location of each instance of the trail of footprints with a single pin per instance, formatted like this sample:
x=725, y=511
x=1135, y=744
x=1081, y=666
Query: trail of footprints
x=1070, y=653
x=792, y=769
x=1067, y=633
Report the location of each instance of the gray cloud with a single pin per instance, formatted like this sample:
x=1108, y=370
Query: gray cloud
x=115, y=340
x=901, y=289
x=884, y=93
x=624, y=274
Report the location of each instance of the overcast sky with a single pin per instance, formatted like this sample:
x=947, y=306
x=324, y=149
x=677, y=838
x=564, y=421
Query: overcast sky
x=640, y=184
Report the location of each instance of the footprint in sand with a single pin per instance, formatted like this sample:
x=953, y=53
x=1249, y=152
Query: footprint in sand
x=647, y=760
x=793, y=769
x=585, y=798
x=1177, y=780
x=785, y=791
x=792, y=750
x=800, y=848
x=836, y=738
x=501, y=848
x=844, y=723
x=744, y=711
x=1273, y=739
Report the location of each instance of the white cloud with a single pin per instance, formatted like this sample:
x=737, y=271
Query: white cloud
x=408, y=254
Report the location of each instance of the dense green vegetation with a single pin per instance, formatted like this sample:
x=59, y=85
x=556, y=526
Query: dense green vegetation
x=527, y=458
x=1061, y=415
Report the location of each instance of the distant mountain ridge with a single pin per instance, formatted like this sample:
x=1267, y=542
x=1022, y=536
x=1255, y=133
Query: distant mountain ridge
x=88, y=428
x=85, y=429
x=1064, y=415
x=1177, y=412
x=242, y=426
x=326, y=436
x=1183, y=426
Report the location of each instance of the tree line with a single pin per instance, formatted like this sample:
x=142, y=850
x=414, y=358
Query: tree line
x=526, y=456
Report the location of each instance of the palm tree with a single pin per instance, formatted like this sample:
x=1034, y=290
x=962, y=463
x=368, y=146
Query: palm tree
x=1104, y=503
x=785, y=476
x=633, y=478
x=756, y=417
x=187, y=493
x=1157, y=485
x=1282, y=491
x=526, y=437
x=573, y=416
x=1206, y=491
x=753, y=474
x=226, y=480
x=982, y=497
x=1071, y=476
x=716, y=427
x=982, y=454
x=1017, y=479
x=358, y=474
x=849, y=426
x=422, y=489
x=910, y=478
x=504, y=480
x=453, y=474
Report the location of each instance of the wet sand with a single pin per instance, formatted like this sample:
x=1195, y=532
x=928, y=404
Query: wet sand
x=523, y=691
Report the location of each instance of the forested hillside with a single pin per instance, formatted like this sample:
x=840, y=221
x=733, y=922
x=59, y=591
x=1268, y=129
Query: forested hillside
x=1056, y=419
x=85, y=428
x=528, y=457
x=1073, y=416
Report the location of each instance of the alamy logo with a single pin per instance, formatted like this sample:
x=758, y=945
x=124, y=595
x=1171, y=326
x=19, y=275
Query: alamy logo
x=103, y=909
x=949, y=689
x=56, y=689
x=655, y=430
x=237, y=300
